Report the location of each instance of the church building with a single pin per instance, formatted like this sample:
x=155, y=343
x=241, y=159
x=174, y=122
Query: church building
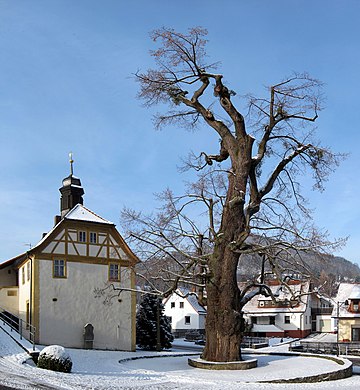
x=54, y=287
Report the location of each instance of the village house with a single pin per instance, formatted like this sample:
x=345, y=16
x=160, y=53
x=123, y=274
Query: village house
x=289, y=315
x=346, y=312
x=185, y=312
x=321, y=311
x=50, y=288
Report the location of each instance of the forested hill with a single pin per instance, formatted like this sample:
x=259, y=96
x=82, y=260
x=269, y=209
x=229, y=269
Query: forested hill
x=336, y=267
x=324, y=270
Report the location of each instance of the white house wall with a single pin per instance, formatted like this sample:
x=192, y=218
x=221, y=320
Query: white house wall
x=9, y=290
x=178, y=314
x=24, y=290
x=324, y=323
x=9, y=299
x=66, y=305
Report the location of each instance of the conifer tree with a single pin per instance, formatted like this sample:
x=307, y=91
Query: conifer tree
x=147, y=325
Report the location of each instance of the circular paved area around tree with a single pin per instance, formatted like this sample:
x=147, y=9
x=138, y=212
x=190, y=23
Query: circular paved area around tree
x=276, y=368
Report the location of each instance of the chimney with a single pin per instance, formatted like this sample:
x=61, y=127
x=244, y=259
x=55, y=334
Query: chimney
x=57, y=219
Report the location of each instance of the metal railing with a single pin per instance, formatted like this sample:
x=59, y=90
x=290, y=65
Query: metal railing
x=249, y=341
x=23, y=328
x=330, y=348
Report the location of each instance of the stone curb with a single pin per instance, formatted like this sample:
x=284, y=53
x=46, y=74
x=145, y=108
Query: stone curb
x=342, y=373
x=157, y=356
x=240, y=365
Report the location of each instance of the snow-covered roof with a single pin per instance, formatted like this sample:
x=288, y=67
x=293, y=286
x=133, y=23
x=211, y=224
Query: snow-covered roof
x=282, y=294
x=346, y=291
x=192, y=299
x=81, y=213
x=355, y=292
x=77, y=213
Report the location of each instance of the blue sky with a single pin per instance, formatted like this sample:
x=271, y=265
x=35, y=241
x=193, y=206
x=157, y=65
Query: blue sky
x=66, y=85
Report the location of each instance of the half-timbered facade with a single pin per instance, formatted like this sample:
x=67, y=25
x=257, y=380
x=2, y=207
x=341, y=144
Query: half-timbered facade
x=52, y=286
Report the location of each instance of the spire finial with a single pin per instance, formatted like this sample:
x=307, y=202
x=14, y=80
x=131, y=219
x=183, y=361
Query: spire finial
x=71, y=163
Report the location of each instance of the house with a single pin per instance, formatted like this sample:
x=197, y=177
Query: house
x=50, y=288
x=346, y=312
x=289, y=315
x=321, y=311
x=185, y=312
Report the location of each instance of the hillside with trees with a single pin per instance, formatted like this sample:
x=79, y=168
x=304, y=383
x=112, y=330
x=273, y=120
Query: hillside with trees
x=324, y=270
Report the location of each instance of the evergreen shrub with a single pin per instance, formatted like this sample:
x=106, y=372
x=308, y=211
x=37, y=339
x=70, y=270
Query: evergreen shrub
x=55, y=358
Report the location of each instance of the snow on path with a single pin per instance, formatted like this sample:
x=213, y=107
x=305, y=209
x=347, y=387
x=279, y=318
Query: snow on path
x=102, y=370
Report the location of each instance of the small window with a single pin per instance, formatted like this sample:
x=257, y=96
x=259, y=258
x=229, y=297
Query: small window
x=355, y=334
x=82, y=236
x=28, y=270
x=187, y=320
x=287, y=320
x=23, y=274
x=93, y=238
x=172, y=305
x=114, y=272
x=12, y=293
x=59, y=269
x=272, y=320
x=181, y=305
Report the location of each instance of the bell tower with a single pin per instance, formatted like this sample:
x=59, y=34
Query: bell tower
x=71, y=191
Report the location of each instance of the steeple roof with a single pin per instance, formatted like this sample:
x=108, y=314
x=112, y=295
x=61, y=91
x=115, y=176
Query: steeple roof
x=71, y=191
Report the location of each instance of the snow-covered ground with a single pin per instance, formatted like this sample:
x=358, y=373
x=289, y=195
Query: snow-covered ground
x=102, y=370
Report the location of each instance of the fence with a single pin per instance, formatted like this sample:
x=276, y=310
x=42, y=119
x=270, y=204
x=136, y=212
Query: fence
x=250, y=342
x=344, y=348
x=18, y=325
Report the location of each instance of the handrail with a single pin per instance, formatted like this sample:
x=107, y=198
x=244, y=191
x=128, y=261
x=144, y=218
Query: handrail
x=18, y=325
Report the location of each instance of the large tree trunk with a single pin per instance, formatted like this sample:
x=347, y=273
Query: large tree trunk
x=223, y=320
x=224, y=325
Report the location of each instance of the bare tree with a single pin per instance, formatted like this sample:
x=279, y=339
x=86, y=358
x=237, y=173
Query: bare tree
x=250, y=190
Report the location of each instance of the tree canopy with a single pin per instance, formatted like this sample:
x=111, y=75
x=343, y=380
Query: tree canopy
x=250, y=189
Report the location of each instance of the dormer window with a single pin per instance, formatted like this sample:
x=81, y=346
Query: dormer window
x=354, y=306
